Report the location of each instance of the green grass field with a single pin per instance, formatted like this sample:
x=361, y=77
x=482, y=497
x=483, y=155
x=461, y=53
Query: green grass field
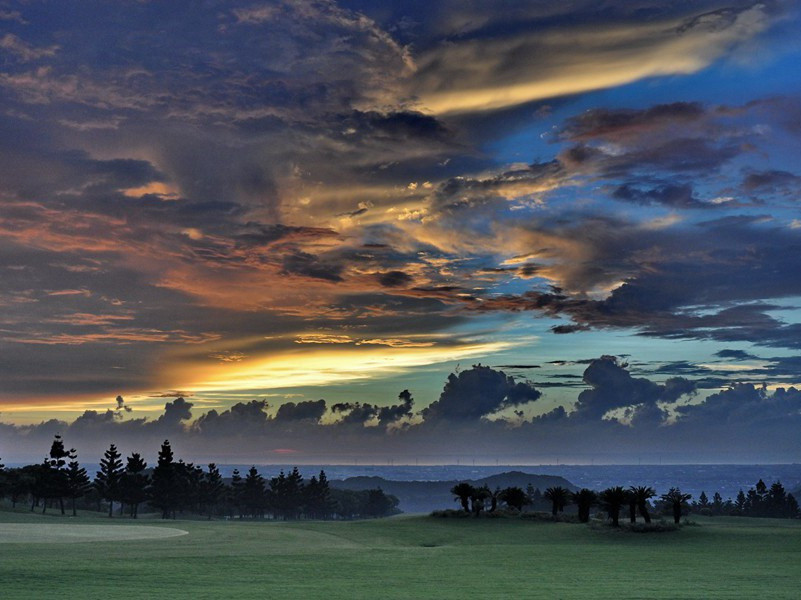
x=405, y=557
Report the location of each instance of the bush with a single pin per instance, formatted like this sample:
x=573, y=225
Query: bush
x=451, y=513
x=652, y=527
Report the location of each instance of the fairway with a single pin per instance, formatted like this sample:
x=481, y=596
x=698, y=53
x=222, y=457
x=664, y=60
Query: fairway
x=401, y=557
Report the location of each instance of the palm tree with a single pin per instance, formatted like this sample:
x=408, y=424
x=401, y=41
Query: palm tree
x=478, y=497
x=641, y=496
x=463, y=492
x=631, y=500
x=677, y=499
x=559, y=497
x=612, y=499
x=584, y=499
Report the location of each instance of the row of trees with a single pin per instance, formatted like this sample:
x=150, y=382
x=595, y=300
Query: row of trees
x=758, y=502
x=176, y=487
x=612, y=500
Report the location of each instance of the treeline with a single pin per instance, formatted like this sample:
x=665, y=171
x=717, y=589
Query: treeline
x=176, y=487
x=635, y=501
x=759, y=501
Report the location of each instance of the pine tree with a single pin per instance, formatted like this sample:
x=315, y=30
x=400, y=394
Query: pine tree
x=792, y=507
x=3, y=482
x=78, y=483
x=55, y=471
x=317, y=494
x=212, y=488
x=278, y=495
x=134, y=483
x=740, y=503
x=703, y=500
x=294, y=493
x=254, y=492
x=163, y=487
x=107, y=479
x=236, y=491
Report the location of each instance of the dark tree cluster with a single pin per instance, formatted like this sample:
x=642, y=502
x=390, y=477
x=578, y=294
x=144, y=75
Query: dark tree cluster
x=174, y=487
x=611, y=500
x=760, y=501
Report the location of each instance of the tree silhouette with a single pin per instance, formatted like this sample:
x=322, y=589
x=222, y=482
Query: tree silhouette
x=677, y=501
x=462, y=492
x=584, y=499
x=318, y=497
x=107, y=478
x=612, y=499
x=134, y=483
x=78, y=483
x=477, y=499
x=558, y=497
x=163, y=490
x=235, y=492
x=642, y=495
x=55, y=471
x=212, y=489
x=514, y=497
x=254, y=493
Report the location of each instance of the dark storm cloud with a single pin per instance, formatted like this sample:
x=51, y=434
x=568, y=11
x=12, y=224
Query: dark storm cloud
x=674, y=196
x=357, y=413
x=394, y=278
x=479, y=392
x=611, y=387
x=312, y=410
x=615, y=124
x=735, y=354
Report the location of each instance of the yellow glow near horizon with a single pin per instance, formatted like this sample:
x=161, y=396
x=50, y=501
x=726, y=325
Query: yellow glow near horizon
x=316, y=367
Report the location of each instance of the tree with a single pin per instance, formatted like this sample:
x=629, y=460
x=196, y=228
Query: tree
x=792, y=506
x=212, y=488
x=236, y=491
x=558, y=497
x=494, y=497
x=254, y=493
x=631, y=499
x=478, y=498
x=612, y=499
x=739, y=503
x=584, y=499
x=642, y=495
x=134, y=483
x=163, y=486
x=677, y=500
x=55, y=471
x=379, y=504
x=294, y=493
x=318, y=497
x=108, y=477
x=703, y=500
x=463, y=492
x=78, y=483
x=514, y=497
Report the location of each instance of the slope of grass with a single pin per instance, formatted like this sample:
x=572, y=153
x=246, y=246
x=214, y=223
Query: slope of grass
x=411, y=557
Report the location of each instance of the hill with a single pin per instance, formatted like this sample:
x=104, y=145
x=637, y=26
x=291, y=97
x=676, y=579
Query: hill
x=425, y=496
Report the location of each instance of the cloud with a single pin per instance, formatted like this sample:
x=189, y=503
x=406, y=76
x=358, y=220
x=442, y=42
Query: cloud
x=478, y=392
x=394, y=279
x=495, y=71
x=309, y=409
x=611, y=387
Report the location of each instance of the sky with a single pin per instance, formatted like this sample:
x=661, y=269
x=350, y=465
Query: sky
x=313, y=231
